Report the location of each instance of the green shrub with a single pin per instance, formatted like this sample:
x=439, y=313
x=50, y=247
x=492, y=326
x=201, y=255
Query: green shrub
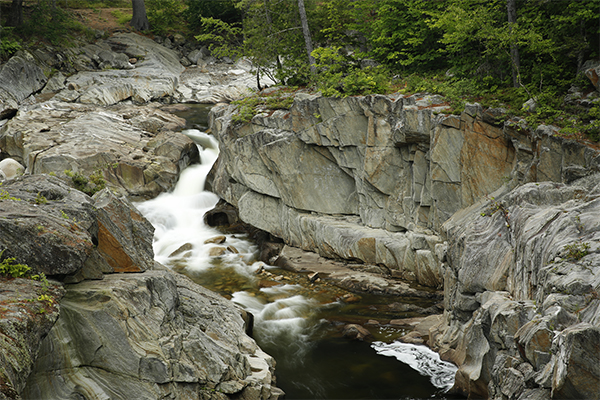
x=252, y=105
x=576, y=251
x=122, y=18
x=340, y=75
x=89, y=186
x=8, y=267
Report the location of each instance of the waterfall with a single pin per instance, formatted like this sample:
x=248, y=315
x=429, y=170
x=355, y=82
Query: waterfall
x=311, y=359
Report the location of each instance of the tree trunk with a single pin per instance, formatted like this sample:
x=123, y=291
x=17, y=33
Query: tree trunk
x=307, y=38
x=139, y=20
x=15, y=17
x=511, y=7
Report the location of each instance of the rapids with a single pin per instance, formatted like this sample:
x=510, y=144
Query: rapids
x=291, y=322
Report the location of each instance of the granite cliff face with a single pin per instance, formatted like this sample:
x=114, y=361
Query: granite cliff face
x=393, y=181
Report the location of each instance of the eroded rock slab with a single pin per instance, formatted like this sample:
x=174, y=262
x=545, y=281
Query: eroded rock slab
x=150, y=335
x=521, y=286
x=136, y=149
x=63, y=232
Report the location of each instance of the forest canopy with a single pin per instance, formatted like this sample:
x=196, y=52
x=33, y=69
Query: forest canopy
x=503, y=52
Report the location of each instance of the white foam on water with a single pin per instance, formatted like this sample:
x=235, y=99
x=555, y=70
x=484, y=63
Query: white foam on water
x=178, y=216
x=422, y=359
x=281, y=321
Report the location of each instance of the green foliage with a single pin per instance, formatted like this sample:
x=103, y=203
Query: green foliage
x=165, y=16
x=223, y=38
x=224, y=10
x=460, y=49
x=576, y=251
x=4, y=195
x=8, y=267
x=9, y=44
x=89, y=186
x=339, y=75
x=252, y=105
x=122, y=18
x=403, y=34
x=40, y=199
x=52, y=24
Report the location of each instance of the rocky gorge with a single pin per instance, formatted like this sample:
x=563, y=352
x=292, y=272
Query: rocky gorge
x=502, y=218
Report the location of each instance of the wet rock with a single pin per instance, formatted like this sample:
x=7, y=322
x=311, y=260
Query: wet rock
x=313, y=277
x=356, y=332
x=217, y=251
x=217, y=240
x=183, y=249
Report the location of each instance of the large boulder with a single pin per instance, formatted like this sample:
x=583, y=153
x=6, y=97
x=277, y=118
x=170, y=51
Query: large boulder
x=62, y=232
x=47, y=225
x=20, y=77
x=136, y=149
x=151, y=335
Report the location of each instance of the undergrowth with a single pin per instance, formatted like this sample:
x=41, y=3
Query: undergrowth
x=88, y=185
x=250, y=106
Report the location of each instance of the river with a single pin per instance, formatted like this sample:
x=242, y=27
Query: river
x=297, y=322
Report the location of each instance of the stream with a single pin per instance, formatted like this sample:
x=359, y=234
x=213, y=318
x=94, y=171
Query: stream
x=296, y=321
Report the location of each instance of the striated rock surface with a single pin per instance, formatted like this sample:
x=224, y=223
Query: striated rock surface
x=373, y=178
x=28, y=310
x=154, y=77
x=20, y=77
x=505, y=218
x=521, y=292
x=151, y=335
x=136, y=149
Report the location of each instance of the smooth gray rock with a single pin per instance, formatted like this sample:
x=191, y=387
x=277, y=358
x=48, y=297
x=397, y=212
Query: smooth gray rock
x=19, y=78
x=150, y=335
x=62, y=232
x=11, y=168
x=135, y=148
x=55, y=237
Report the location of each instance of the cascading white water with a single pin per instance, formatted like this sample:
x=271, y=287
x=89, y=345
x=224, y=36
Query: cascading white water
x=422, y=360
x=284, y=319
x=178, y=218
